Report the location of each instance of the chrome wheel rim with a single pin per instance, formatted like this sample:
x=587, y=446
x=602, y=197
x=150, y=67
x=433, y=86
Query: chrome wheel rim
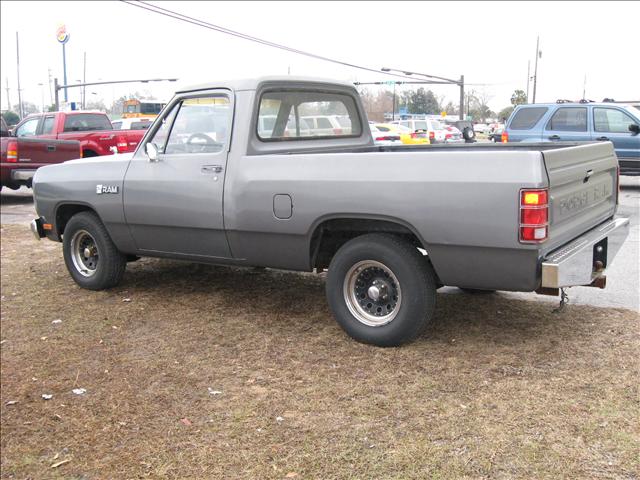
x=84, y=253
x=372, y=293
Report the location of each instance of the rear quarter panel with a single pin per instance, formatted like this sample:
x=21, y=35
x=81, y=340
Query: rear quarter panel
x=462, y=205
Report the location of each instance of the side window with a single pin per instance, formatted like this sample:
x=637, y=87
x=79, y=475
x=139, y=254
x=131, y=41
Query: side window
x=28, y=128
x=307, y=114
x=162, y=133
x=201, y=126
x=569, y=119
x=526, y=118
x=611, y=120
x=116, y=125
x=47, y=125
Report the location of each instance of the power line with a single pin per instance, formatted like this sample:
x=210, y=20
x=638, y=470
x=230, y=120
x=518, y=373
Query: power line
x=201, y=23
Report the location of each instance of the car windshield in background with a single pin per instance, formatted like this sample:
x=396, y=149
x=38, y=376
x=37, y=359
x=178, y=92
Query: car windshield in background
x=86, y=122
x=436, y=125
x=307, y=115
x=526, y=118
x=140, y=125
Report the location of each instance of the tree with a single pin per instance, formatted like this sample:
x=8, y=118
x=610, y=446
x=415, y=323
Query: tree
x=96, y=105
x=518, y=97
x=505, y=113
x=10, y=117
x=29, y=108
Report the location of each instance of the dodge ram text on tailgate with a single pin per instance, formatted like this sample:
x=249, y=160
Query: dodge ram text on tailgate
x=231, y=174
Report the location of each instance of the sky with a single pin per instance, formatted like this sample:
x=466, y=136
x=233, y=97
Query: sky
x=489, y=43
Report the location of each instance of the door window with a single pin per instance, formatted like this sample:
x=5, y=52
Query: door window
x=611, y=120
x=201, y=126
x=28, y=128
x=47, y=125
x=162, y=133
x=570, y=119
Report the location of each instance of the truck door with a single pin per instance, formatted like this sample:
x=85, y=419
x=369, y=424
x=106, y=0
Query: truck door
x=568, y=124
x=174, y=204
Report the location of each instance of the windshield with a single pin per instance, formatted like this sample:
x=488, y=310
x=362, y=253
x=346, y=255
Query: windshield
x=633, y=111
x=436, y=125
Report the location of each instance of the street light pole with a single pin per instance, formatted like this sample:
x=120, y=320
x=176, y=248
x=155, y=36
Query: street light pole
x=58, y=87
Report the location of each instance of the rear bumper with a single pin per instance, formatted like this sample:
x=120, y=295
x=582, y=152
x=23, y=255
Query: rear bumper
x=22, y=175
x=585, y=259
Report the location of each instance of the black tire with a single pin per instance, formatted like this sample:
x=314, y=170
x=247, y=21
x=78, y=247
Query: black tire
x=414, y=292
x=105, y=265
x=468, y=133
x=476, y=291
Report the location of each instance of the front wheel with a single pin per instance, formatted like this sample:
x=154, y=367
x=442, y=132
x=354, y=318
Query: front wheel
x=381, y=290
x=91, y=257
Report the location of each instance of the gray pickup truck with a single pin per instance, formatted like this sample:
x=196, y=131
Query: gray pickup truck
x=283, y=173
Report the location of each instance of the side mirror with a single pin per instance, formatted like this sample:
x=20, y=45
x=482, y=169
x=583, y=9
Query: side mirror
x=635, y=129
x=152, y=151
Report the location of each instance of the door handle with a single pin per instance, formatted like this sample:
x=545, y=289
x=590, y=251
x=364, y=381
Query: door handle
x=554, y=137
x=602, y=139
x=51, y=148
x=211, y=169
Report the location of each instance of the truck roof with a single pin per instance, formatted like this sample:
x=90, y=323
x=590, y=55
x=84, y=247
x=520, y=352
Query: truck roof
x=254, y=83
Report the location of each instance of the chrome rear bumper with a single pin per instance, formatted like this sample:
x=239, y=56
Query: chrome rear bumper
x=583, y=260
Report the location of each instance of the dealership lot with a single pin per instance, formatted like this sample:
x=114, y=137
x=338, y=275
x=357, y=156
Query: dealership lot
x=194, y=371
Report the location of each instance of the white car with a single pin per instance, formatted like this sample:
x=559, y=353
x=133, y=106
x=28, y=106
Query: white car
x=385, y=137
x=481, y=128
x=328, y=125
x=434, y=129
x=140, y=123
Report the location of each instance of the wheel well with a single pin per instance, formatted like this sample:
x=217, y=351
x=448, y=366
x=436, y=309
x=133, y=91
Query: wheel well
x=88, y=153
x=65, y=212
x=330, y=235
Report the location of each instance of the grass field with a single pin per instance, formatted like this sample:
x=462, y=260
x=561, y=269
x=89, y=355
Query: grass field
x=210, y=372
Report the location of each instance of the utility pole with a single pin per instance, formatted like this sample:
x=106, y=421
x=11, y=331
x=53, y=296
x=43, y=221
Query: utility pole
x=8, y=99
x=18, y=64
x=84, y=80
x=584, y=87
x=50, y=91
x=528, y=77
x=56, y=89
x=462, y=117
x=535, y=70
x=393, y=113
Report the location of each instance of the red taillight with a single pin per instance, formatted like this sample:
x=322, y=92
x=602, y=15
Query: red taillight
x=534, y=215
x=448, y=135
x=504, y=138
x=432, y=135
x=337, y=131
x=388, y=137
x=12, y=151
x=122, y=144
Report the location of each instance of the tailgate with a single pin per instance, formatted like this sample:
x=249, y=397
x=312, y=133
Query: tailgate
x=582, y=189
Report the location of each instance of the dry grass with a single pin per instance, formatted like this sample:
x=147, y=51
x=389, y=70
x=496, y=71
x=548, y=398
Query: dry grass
x=498, y=389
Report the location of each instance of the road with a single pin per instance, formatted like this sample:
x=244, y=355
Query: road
x=623, y=277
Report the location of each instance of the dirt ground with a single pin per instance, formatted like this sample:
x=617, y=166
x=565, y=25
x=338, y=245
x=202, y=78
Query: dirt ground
x=210, y=372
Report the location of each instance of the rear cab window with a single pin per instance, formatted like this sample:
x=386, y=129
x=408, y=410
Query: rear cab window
x=295, y=115
x=526, y=118
x=86, y=122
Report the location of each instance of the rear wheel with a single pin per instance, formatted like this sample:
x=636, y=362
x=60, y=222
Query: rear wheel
x=381, y=290
x=91, y=257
